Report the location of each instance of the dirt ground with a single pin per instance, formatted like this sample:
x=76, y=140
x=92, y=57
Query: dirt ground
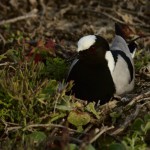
x=65, y=22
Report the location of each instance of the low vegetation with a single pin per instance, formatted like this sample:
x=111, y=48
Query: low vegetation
x=36, y=113
x=37, y=42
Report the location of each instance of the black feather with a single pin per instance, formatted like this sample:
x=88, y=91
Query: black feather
x=116, y=53
x=92, y=82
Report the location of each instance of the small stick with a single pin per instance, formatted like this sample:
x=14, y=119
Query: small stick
x=104, y=129
x=3, y=39
x=127, y=121
x=32, y=14
x=138, y=98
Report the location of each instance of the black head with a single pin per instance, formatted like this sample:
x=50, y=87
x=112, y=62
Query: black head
x=132, y=47
x=119, y=30
x=92, y=47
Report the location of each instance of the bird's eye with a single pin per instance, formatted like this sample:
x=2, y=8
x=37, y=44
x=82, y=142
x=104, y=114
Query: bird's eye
x=92, y=48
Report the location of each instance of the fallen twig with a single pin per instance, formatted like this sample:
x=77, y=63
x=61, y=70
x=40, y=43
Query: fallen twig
x=138, y=98
x=106, y=109
x=127, y=121
x=43, y=6
x=134, y=13
x=122, y=22
x=56, y=129
x=86, y=130
x=31, y=14
x=3, y=39
x=97, y=12
x=37, y=126
x=7, y=63
x=48, y=125
x=97, y=134
x=103, y=130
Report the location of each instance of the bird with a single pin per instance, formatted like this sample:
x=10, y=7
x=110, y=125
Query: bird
x=123, y=72
x=125, y=32
x=101, y=71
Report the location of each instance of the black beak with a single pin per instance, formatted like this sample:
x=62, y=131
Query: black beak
x=72, y=57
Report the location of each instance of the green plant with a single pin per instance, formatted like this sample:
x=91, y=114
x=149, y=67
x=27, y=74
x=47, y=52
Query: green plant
x=56, y=68
x=141, y=59
x=29, y=96
x=135, y=140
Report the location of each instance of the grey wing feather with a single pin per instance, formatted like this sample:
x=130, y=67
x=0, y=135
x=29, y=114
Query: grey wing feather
x=72, y=65
x=120, y=44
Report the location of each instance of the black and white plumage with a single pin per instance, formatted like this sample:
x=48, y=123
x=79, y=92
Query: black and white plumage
x=123, y=69
x=101, y=71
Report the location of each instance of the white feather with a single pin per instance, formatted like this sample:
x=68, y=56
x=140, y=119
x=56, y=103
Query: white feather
x=86, y=42
x=110, y=60
x=121, y=77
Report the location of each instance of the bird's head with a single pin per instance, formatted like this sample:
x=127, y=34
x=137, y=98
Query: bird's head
x=92, y=47
x=126, y=33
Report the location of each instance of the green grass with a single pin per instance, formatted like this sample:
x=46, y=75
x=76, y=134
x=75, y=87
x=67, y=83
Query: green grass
x=35, y=113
